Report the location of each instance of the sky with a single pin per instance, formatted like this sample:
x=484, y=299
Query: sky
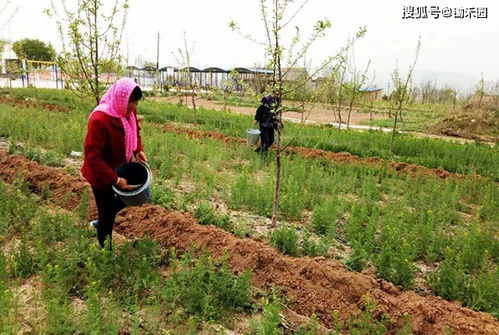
x=453, y=51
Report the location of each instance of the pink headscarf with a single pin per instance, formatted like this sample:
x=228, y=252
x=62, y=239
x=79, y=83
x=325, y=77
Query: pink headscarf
x=115, y=104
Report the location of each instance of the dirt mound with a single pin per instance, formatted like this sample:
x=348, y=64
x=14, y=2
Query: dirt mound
x=315, y=285
x=343, y=157
x=66, y=191
x=482, y=125
x=31, y=103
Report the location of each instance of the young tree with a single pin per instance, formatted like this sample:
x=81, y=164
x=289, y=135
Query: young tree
x=401, y=89
x=91, y=36
x=371, y=98
x=276, y=15
x=184, y=61
x=480, y=90
x=34, y=49
x=427, y=90
x=337, y=80
x=357, y=80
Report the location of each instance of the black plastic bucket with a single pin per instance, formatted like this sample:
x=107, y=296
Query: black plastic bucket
x=135, y=174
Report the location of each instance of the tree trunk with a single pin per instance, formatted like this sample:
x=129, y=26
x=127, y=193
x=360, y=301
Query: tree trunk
x=193, y=97
x=275, y=209
x=96, y=65
x=399, y=109
x=277, y=110
x=349, y=113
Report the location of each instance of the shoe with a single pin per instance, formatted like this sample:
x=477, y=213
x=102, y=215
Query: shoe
x=94, y=224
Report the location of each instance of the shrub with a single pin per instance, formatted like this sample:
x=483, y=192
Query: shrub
x=286, y=240
x=206, y=288
x=270, y=321
x=206, y=215
x=314, y=248
x=324, y=218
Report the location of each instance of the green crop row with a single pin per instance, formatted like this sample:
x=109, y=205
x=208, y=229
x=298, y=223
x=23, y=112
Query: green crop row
x=471, y=158
x=87, y=290
x=388, y=220
x=63, y=254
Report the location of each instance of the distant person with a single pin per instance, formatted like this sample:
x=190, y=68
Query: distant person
x=113, y=138
x=267, y=121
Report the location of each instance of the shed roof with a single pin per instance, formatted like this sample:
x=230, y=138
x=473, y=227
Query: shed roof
x=189, y=69
x=370, y=89
x=251, y=70
x=165, y=68
x=215, y=70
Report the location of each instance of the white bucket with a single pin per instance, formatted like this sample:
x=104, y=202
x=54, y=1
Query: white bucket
x=253, y=135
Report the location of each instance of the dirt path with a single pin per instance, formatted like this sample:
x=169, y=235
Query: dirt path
x=319, y=114
x=315, y=285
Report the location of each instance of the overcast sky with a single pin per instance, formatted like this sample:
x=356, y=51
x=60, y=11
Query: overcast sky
x=453, y=50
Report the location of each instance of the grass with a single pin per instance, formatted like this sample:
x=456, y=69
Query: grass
x=388, y=220
x=63, y=254
x=470, y=158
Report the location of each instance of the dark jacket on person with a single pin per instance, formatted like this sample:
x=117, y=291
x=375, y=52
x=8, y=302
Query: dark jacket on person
x=265, y=117
x=105, y=149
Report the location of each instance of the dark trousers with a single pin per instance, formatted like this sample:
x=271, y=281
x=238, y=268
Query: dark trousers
x=108, y=205
x=266, y=137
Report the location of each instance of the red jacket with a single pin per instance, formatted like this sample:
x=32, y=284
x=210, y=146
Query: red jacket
x=105, y=149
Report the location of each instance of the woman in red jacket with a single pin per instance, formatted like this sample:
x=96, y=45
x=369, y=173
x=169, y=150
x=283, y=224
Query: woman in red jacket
x=113, y=138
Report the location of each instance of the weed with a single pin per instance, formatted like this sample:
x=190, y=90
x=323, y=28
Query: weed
x=311, y=327
x=83, y=206
x=22, y=262
x=358, y=258
x=394, y=260
x=206, y=215
x=163, y=196
x=324, y=218
x=60, y=316
x=270, y=321
x=8, y=313
x=312, y=247
x=101, y=315
x=206, y=288
x=286, y=240
x=16, y=209
x=368, y=321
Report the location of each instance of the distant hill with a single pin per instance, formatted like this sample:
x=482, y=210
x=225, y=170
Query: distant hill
x=463, y=83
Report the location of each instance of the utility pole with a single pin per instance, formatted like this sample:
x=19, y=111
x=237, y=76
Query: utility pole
x=158, y=83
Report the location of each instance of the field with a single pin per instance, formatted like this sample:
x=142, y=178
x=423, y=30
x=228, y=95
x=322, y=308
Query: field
x=371, y=241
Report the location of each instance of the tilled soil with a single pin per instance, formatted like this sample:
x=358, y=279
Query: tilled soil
x=341, y=157
x=31, y=103
x=315, y=285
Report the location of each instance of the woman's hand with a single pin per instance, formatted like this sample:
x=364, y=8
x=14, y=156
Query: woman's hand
x=122, y=184
x=141, y=157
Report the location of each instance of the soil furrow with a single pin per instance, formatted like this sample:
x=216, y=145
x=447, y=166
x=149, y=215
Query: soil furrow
x=340, y=157
x=316, y=285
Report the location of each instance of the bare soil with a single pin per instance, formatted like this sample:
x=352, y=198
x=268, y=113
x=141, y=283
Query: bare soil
x=323, y=114
x=313, y=112
x=29, y=103
x=470, y=123
x=315, y=285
